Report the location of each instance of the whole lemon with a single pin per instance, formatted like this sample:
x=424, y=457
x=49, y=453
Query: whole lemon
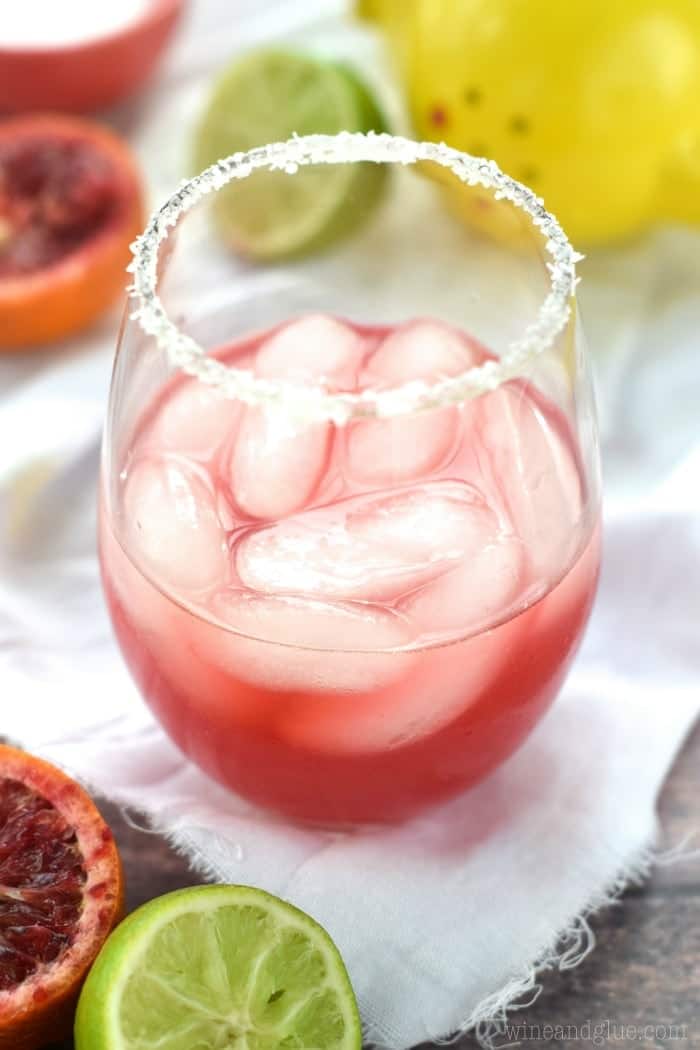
x=594, y=104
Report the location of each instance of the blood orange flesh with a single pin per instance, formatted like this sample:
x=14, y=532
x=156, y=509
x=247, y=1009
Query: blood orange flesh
x=61, y=893
x=70, y=206
x=42, y=875
x=54, y=194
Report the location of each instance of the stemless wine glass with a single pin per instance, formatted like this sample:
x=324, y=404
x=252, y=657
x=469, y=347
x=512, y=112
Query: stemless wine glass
x=350, y=507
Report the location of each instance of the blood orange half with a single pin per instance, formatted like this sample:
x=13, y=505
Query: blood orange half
x=70, y=206
x=61, y=892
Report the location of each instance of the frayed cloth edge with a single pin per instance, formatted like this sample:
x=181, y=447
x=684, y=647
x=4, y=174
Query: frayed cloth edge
x=567, y=950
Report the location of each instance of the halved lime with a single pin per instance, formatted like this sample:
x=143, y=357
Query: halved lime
x=267, y=97
x=218, y=968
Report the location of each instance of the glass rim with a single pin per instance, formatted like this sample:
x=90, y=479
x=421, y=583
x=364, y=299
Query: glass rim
x=316, y=403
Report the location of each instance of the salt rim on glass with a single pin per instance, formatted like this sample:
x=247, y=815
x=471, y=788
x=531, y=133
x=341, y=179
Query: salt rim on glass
x=310, y=403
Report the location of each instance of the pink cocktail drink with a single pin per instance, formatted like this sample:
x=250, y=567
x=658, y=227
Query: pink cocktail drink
x=349, y=622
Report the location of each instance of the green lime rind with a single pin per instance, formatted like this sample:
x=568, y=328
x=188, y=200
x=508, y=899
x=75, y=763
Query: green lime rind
x=267, y=97
x=218, y=967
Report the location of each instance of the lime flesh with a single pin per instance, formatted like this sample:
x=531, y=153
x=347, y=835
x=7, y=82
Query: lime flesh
x=268, y=97
x=218, y=968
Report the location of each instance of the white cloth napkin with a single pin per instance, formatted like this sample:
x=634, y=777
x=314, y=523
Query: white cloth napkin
x=445, y=921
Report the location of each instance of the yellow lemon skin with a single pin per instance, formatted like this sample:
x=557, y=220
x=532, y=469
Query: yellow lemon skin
x=594, y=104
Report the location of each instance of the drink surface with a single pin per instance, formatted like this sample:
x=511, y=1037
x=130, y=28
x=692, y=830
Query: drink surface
x=348, y=623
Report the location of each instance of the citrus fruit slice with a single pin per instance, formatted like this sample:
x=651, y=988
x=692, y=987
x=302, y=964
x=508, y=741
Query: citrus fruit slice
x=61, y=892
x=218, y=966
x=268, y=97
x=70, y=206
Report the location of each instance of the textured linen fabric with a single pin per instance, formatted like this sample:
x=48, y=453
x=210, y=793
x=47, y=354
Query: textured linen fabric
x=445, y=920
